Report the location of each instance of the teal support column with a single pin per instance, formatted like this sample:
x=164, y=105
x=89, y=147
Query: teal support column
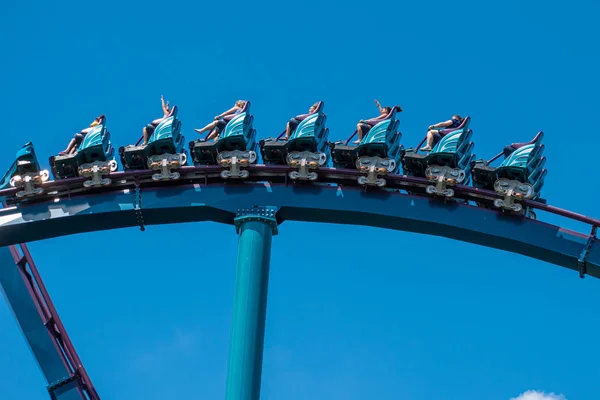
x=255, y=227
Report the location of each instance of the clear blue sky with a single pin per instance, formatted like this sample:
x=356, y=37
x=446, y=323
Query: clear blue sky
x=438, y=319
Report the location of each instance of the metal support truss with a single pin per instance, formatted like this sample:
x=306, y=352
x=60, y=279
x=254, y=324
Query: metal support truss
x=582, y=261
x=137, y=204
x=46, y=336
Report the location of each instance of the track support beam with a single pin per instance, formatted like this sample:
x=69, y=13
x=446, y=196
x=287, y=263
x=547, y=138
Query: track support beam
x=582, y=261
x=255, y=227
x=42, y=327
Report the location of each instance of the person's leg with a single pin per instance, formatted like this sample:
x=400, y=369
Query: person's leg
x=362, y=129
x=508, y=150
x=208, y=127
x=291, y=127
x=69, y=147
x=220, y=127
x=214, y=134
x=429, y=144
x=75, y=143
x=359, y=133
x=147, y=132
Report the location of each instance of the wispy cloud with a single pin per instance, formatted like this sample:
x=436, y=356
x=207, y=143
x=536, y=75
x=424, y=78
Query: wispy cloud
x=535, y=395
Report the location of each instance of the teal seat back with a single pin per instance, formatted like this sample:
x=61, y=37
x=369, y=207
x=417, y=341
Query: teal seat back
x=312, y=126
x=452, y=142
x=167, y=128
x=26, y=161
x=384, y=132
x=238, y=133
x=235, y=127
x=308, y=128
x=95, y=137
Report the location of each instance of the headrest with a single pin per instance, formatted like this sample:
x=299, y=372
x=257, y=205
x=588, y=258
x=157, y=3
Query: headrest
x=320, y=106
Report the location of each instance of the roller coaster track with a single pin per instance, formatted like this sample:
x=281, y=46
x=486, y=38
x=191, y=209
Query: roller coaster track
x=134, y=199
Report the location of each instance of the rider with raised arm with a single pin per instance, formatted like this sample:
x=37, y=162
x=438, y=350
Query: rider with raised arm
x=221, y=120
x=294, y=122
x=434, y=132
x=148, y=130
x=365, y=126
x=78, y=138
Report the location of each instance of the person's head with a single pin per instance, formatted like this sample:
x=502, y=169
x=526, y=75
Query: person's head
x=313, y=108
x=97, y=121
x=457, y=117
x=240, y=103
x=386, y=110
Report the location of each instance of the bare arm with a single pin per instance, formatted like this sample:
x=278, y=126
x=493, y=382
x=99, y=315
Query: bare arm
x=228, y=112
x=444, y=124
x=374, y=121
x=379, y=106
x=164, y=106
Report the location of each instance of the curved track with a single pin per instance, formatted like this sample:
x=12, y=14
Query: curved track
x=135, y=200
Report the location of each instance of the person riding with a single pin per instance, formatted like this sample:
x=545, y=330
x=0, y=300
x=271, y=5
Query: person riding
x=294, y=122
x=364, y=126
x=435, y=133
x=221, y=120
x=78, y=137
x=148, y=130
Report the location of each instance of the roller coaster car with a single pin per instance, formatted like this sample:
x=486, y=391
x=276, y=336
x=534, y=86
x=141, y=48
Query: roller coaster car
x=234, y=148
x=94, y=152
x=25, y=173
x=377, y=154
x=164, y=151
x=520, y=176
x=447, y=164
x=305, y=150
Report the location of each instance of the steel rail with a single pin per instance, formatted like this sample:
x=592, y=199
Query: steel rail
x=345, y=177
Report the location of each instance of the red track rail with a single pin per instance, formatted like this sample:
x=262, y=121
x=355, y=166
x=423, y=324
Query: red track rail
x=78, y=375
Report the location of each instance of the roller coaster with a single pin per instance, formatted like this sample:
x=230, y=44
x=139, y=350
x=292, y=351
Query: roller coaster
x=256, y=185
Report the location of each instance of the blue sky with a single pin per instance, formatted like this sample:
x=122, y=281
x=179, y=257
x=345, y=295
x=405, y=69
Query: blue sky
x=438, y=319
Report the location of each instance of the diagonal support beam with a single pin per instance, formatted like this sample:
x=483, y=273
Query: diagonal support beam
x=47, y=338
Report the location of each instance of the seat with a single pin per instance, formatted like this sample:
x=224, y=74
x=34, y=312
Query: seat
x=25, y=162
x=238, y=134
x=523, y=162
x=95, y=146
x=310, y=135
x=166, y=139
x=537, y=139
x=454, y=150
x=382, y=140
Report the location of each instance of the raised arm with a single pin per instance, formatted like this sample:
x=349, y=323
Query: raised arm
x=379, y=106
x=165, y=106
